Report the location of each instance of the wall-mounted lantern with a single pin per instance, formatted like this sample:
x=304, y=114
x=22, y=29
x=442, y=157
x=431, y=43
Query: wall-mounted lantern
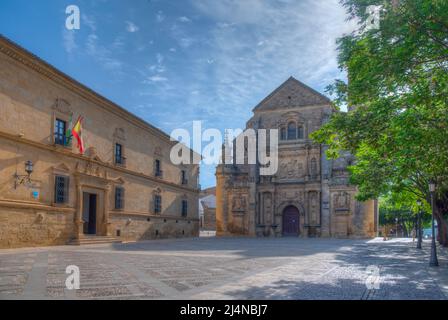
x=24, y=178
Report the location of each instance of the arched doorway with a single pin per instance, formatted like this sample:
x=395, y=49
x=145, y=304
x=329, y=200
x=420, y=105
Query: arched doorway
x=291, y=221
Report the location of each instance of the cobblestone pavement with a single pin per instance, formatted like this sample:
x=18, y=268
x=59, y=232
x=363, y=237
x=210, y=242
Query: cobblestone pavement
x=211, y=268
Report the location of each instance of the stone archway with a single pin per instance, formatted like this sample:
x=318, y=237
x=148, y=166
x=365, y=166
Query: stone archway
x=291, y=222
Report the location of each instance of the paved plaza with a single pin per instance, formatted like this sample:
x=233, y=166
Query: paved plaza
x=211, y=268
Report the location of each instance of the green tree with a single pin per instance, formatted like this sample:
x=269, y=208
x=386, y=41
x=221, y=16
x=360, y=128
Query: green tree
x=402, y=209
x=397, y=97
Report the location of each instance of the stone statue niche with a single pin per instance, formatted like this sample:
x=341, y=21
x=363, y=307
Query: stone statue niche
x=239, y=204
x=314, y=208
x=342, y=201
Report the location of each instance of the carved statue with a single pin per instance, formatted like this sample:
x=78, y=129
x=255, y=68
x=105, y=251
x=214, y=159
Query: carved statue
x=341, y=200
x=291, y=169
x=313, y=207
x=239, y=203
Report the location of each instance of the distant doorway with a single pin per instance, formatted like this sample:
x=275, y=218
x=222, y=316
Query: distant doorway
x=291, y=222
x=89, y=213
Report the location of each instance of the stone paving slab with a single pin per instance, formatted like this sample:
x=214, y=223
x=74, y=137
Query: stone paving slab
x=212, y=268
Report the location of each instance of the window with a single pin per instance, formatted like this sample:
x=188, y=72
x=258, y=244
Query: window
x=184, y=177
x=158, y=171
x=61, y=188
x=292, y=131
x=283, y=134
x=301, y=132
x=157, y=204
x=119, y=159
x=184, y=208
x=60, y=128
x=119, y=198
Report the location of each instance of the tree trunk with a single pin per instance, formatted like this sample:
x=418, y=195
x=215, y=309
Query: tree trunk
x=442, y=225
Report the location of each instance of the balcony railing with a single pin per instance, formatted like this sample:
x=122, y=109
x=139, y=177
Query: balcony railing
x=61, y=140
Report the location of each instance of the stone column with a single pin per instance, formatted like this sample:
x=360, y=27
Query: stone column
x=79, y=224
x=221, y=206
x=107, y=224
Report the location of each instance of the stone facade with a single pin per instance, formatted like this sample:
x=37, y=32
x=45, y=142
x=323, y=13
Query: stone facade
x=33, y=97
x=207, y=209
x=310, y=195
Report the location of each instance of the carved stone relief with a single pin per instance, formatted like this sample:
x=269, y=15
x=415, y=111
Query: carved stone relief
x=291, y=169
x=62, y=106
x=239, y=203
x=341, y=201
x=120, y=134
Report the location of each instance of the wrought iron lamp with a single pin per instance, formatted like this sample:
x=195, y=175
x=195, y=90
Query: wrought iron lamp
x=20, y=179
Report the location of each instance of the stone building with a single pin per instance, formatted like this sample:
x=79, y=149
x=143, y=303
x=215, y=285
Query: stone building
x=124, y=187
x=310, y=195
x=207, y=209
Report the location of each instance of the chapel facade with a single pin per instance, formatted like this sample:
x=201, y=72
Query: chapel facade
x=310, y=195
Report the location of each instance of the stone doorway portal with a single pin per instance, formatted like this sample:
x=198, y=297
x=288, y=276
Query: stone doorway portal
x=89, y=215
x=291, y=222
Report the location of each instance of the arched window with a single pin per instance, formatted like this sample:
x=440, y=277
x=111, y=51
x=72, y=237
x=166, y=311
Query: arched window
x=283, y=134
x=292, y=131
x=301, y=132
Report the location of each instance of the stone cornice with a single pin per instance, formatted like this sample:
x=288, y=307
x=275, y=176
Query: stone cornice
x=111, y=167
x=29, y=60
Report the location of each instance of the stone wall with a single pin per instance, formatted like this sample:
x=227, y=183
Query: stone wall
x=32, y=96
x=209, y=219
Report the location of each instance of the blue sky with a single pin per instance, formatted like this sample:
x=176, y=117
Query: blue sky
x=171, y=62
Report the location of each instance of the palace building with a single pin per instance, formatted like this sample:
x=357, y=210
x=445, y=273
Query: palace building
x=122, y=187
x=310, y=195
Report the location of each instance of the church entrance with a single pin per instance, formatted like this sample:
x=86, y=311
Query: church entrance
x=291, y=222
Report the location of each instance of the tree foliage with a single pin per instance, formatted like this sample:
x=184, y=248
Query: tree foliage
x=397, y=96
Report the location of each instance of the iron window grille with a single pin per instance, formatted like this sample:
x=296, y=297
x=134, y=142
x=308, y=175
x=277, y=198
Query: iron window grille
x=157, y=204
x=119, y=158
x=61, y=189
x=184, y=208
x=119, y=198
x=184, y=177
x=158, y=169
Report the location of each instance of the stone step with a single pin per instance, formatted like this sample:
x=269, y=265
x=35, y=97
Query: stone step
x=89, y=240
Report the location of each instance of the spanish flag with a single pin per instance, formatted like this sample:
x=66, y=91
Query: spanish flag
x=77, y=133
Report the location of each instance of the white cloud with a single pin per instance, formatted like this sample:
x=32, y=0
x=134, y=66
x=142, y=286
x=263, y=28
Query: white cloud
x=257, y=45
x=69, y=41
x=160, y=17
x=102, y=54
x=156, y=78
x=131, y=27
x=184, y=39
x=184, y=19
x=89, y=21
